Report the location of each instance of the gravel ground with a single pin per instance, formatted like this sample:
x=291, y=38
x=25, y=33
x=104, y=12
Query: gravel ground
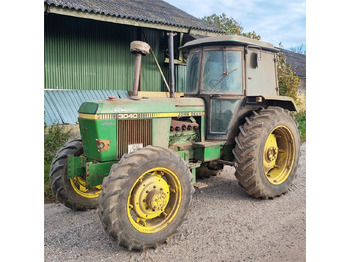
x=224, y=224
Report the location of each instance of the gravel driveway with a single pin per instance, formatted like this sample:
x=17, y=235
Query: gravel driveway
x=224, y=224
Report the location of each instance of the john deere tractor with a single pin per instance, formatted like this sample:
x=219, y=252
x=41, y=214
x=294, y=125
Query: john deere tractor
x=137, y=158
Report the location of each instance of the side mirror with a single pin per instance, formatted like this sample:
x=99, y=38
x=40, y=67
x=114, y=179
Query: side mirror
x=254, y=60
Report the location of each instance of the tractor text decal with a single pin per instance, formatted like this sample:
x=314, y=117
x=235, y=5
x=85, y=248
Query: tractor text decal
x=139, y=115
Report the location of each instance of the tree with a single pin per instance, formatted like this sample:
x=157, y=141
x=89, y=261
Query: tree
x=229, y=25
x=298, y=49
x=288, y=82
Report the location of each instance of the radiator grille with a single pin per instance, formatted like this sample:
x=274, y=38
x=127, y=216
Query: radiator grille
x=133, y=132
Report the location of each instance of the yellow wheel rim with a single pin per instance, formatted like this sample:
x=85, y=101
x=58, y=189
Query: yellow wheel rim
x=278, y=155
x=154, y=200
x=79, y=186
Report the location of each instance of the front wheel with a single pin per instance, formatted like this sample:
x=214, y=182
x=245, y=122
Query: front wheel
x=145, y=197
x=71, y=192
x=267, y=152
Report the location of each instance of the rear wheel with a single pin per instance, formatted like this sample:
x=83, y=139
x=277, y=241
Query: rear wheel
x=267, y=152
x=71, y=192
x=145, y=197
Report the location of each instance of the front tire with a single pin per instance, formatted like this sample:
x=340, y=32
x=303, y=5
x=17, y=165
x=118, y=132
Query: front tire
x=145, y=197
x=71, y=192
x=267, y=152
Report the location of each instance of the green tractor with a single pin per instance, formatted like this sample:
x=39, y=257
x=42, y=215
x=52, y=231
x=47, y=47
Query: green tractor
x=137, y=158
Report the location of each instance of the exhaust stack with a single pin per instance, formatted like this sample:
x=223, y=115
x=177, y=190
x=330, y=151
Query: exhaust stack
x=171, y=63
x=139, y=49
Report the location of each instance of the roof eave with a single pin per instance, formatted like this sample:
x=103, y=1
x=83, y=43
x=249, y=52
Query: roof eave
x=126, y=21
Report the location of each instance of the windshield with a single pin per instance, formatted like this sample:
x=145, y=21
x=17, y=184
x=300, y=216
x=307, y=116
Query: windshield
x=222, y=72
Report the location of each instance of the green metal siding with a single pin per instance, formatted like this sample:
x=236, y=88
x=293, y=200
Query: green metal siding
x=180, y=75
x=91, y=55
x=151, y=79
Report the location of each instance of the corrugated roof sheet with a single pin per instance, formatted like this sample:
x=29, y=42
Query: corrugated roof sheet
x=153, y=11
x=61, y=106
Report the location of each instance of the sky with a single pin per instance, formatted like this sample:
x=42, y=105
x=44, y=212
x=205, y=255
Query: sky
x=275, y=20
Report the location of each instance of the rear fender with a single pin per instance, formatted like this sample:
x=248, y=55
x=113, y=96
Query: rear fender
x=280, y=101
x=253, y=103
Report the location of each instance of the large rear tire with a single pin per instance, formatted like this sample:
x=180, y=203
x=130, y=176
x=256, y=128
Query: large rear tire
x=267, y=152
x=145, y=197
x=71, y=192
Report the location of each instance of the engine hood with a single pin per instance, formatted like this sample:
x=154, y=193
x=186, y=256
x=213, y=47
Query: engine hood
x=144, y=108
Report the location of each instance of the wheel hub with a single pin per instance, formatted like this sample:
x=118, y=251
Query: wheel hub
x=150, y=197
x=271, y=154
x=156, y=200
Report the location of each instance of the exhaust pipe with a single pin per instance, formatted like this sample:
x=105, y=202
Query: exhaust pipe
x=139, y=49
x=171, y=63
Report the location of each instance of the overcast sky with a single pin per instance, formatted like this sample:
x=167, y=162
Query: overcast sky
x=275, y=20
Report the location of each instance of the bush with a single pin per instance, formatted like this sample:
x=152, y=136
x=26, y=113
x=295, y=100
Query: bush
x=288, y=82
x=54, y=140
x=301, y=119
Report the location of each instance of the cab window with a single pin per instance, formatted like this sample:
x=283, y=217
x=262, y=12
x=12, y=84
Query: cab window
x=222, y=72
x=192, y=76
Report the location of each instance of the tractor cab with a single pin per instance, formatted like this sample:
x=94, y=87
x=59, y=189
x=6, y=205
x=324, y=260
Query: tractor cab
x=224, y=71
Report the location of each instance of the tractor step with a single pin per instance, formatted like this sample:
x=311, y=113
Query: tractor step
x=207, y=150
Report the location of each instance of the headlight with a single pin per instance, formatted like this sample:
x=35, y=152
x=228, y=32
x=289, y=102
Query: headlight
x=103, y=145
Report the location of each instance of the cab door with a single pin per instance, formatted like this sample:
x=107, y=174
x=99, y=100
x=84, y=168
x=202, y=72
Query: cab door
x=222, y=87
x=261, y=72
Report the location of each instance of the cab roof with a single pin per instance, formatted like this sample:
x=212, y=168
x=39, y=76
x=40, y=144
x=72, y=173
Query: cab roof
x=229, y=40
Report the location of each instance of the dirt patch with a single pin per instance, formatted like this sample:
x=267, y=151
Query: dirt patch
x=224, y=224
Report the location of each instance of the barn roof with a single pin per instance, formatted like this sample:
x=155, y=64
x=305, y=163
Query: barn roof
x=151, y=12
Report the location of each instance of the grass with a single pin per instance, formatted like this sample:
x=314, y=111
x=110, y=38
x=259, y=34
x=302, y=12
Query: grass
x=301, y=119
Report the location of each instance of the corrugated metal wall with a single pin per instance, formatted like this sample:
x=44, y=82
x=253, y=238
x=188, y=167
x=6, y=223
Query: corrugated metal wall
x=85, y=54
x=180, y=77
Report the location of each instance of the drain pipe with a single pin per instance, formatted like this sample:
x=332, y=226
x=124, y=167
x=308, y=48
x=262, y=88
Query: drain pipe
x=171, y=63
x=139, y=49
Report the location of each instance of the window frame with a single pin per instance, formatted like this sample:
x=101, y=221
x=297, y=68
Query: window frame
x=200, y=51
x=222, y=48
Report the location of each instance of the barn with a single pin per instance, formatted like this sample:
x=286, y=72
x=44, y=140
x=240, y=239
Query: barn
x=87, y=50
